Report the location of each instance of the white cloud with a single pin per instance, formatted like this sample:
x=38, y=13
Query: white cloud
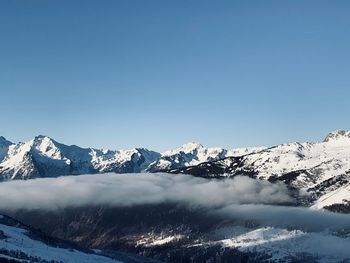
x=137, y=189
x=240, y=198
x=287, y=217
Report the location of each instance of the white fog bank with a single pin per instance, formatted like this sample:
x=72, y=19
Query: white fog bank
x=137, y=189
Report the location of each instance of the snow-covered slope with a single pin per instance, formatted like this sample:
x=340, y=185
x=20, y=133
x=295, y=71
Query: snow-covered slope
x=45, y=157
x=317, y=168
x=337, y=194
x=291, y=245
x=188, y=154
x=20, y=243
x=193, y=154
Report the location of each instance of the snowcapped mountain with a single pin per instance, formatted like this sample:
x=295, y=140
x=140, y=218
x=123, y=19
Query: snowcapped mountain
x=20, y=243
x=338, y=136
x=319, y=172
x=45, y=157
x=193, y=154
x=188, y=154
x=319, y=169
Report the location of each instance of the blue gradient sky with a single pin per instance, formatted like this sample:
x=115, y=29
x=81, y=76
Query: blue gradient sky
x=157, y=74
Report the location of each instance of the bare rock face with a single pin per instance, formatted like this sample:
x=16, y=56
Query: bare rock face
x=4, y=147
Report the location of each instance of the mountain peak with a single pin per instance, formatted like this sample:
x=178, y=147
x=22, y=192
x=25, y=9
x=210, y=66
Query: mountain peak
x=338, y=135
x=186, y=148
x=41, y=137
x=4, y=142
x=191, y=146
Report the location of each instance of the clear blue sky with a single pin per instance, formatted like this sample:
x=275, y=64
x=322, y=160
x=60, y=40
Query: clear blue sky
x=158, y=74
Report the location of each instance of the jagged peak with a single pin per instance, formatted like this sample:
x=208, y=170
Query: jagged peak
x=42, y=140
x=4, y=142
x=146, y=150
x=42, y=137
x=338, y=135
x=191, y=146
x=186, y=148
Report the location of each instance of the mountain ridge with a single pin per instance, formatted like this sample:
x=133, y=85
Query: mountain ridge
x=44, y=157
x=318, y=169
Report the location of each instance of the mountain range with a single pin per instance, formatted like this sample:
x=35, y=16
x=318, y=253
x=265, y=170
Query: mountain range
x=316, y=173
x=45, y=157
x=320, y=169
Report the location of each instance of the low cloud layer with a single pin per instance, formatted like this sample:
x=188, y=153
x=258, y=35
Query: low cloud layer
x=241, y=199
x=305, y=219
x=137, y=189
